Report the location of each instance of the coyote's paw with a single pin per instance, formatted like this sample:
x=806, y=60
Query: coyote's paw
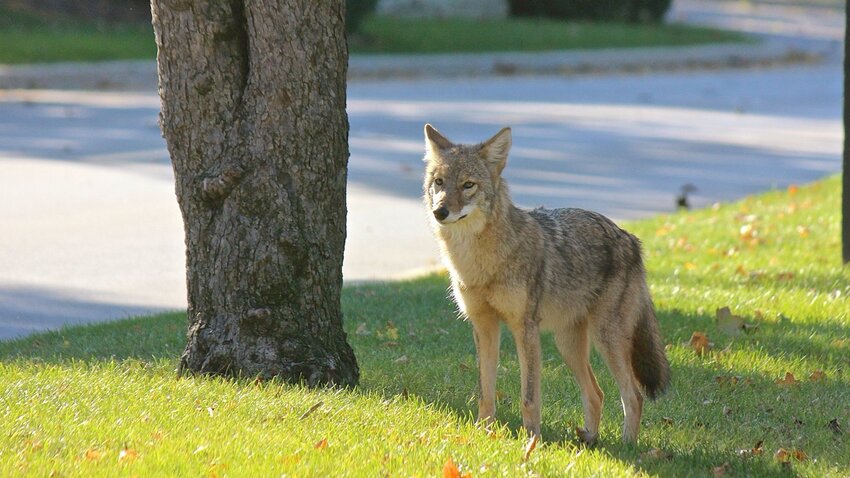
x=586, y=437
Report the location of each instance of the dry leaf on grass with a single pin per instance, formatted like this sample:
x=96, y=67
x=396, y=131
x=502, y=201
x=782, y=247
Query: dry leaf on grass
x=657, y=454
x=785, y=276
x=92, y=454
x=834, y=426
x=731, y=324
x=788, y=380
x=699, y=342
x=727, y=322
x=450, y=470
x=784, y=456
x=720, y=470
x=127, y=455
x=530, y=446
x=321, y=444
x=754, y=451
x=215, y=468
x=817, y=376
x=391, y=331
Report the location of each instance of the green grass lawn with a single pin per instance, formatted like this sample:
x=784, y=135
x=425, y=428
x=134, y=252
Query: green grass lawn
x=30, y=38
x=386, y=35
x=104, y=400
x=34, y=38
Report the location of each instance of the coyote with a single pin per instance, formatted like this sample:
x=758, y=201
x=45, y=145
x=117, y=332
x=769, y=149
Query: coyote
x=569, y=271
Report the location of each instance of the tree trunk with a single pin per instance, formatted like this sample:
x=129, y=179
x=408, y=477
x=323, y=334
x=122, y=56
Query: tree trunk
x=253, y=112
x=845, y=170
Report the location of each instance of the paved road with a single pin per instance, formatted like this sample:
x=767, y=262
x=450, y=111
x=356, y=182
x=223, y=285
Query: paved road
x=90, y=229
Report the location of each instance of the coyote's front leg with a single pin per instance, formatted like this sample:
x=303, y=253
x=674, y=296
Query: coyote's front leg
x=486, y=334
x=527, y=337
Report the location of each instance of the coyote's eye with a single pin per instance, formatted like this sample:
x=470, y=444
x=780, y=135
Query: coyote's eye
x=438, y=181
x=468, y=185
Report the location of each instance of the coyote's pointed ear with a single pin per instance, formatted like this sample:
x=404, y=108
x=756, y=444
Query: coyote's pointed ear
x=495, y=150
x=434, y=142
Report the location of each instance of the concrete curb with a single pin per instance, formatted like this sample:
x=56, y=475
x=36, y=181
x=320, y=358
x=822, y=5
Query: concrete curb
x=141, y=74
x=769, y=52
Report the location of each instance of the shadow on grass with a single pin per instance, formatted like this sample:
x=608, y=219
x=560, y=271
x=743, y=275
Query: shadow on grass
x=155, y=337
x=410, y=344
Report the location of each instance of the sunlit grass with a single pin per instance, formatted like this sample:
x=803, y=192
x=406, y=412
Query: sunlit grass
x=446, y=35
x=71, y=401
x=27, y=37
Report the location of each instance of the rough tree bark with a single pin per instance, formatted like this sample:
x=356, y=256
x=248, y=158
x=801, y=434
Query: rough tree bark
x=253, y=113
x=845, y=171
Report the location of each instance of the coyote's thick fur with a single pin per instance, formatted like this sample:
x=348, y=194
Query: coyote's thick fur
x=569, y=271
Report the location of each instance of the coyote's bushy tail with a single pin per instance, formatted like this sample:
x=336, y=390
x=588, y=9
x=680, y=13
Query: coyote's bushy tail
x=649, y=362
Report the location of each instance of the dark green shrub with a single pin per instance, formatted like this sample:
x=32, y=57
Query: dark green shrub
x=649, y=11
x=643, y=11
x=356, y=11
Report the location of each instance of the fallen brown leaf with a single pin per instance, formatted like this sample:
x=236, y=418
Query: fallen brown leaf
x=727, y=322
x=834, y=426
x=784, y=276
x=450, y=470
x=754, y=451
x=127, y=455
x=657, y=454
x=530, y=446
x=391, y=331
x=817, y=376
x=748, y=233
x=214, y=469
x=788, y=380
x=321, y=444
x=720, y=470
x=92, y=454
x=699, y=342
x=782, y=455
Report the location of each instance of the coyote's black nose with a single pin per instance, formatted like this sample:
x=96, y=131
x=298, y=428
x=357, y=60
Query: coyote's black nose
x=441, y=213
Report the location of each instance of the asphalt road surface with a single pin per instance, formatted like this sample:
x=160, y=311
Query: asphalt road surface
x=90, y=229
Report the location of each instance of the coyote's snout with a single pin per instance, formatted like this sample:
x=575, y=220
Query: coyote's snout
x=569, y=271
